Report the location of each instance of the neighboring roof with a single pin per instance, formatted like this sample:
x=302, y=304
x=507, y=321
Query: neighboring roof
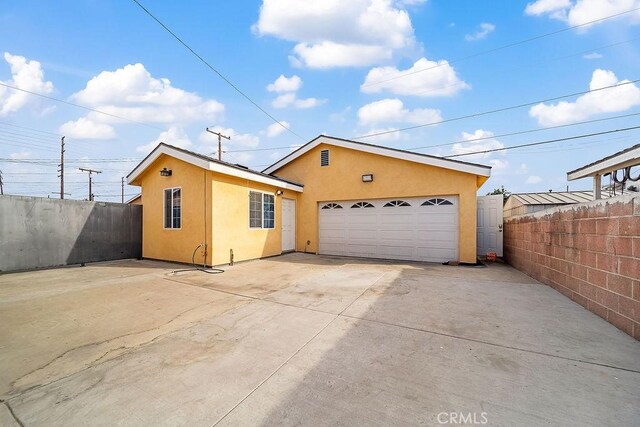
x=555, y=198
x=211, y=164
x=134, y=198
x=426, y=159
x=619, y=160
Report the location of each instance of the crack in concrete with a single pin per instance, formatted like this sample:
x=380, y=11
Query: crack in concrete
x=15, y=417
x=11, y=394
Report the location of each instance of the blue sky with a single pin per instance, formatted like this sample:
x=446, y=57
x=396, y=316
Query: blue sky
x=347, y=70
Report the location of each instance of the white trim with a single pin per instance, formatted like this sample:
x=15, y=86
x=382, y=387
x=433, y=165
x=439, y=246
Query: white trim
x=630, y=158
x=262, y=227
x=383, y=151
x=208, y=165
x=164, y=206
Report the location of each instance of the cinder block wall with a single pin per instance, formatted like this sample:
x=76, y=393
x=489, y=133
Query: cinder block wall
x=589, y=252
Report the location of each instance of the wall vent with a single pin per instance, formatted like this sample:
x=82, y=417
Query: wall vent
x=324, y=158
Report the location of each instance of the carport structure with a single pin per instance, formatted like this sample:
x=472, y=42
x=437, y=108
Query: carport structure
x=304, y=339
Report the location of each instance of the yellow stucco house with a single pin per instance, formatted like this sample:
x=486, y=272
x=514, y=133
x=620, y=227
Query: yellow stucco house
x=331, y=196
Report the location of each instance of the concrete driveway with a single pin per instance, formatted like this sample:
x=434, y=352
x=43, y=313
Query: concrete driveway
x=303, y=339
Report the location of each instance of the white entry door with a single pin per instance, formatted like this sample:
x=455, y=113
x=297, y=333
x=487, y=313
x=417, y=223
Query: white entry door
x=489, y=238
x=415, y=229
x=288, y=225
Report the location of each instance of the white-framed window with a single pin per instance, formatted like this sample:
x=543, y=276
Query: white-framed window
x=262, y=210
x=173, y=208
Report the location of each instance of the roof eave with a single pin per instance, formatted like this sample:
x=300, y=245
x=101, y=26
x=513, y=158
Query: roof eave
x=208, y=165
x=471, y=168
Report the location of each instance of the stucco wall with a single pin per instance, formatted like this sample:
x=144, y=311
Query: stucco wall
x=342, y=180
x=176, y=244
x=215, y=211
x=589, y=252
x=37, y=232
x=231, y=221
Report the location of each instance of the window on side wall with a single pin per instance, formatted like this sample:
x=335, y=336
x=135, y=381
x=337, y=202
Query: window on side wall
x=173, y=208
x=261, y=210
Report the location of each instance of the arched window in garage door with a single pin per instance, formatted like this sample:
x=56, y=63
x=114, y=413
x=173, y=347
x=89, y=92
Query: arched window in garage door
x=396, y=203
x=332, y=206
x=362, y=205
x=436, y=202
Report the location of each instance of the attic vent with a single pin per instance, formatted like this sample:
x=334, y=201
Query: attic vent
x=324, y=158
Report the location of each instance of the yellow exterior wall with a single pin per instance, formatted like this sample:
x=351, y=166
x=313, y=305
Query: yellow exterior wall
x=342, y=180
x=231, y=221
x=176, y=244
x=219, y=202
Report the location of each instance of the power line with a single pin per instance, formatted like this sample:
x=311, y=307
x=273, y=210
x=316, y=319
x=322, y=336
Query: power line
x=543, y=142
x=80, y=106
x=214, y=70
x=524, y=132
x=499, y=110
x=465, y=58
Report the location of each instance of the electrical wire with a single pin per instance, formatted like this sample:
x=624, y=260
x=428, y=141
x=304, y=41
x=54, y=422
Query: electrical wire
x=475, y=55
x=80, y=106
x=550, y=141
x=498, y=110
x=226, y=80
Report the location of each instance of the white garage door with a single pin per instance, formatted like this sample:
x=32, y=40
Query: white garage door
x=418, y=229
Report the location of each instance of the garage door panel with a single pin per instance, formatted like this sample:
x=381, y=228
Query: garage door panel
x=416, y=232
x=405, y=235
x=368, y=251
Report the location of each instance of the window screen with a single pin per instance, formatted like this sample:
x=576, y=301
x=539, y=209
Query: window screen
x=324, y=158
x=268, y=211
x=255, y=209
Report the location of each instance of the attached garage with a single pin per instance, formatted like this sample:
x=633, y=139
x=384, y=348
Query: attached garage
x=415, y=229
x=366, y=200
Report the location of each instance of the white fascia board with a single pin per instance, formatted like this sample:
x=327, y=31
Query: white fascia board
x=417, y=158
x=227, y=170
x=212, y=166
x=629, y=158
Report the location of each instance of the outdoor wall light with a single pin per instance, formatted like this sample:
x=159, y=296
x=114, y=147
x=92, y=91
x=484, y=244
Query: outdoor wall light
x=165, y=172
x=279, y=193
x=367, y=178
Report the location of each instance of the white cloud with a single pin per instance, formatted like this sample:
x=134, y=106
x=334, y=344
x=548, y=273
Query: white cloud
x=291, y=100
x=132, y=92
x=276, y=129
x=481, y=33
x=288, y=87
x=341, y=116
x=583, y=11
x=84, y=128
x=26, y=75
x=423, y=78
x=605, y=101
x=285, y=84
x=20, y=155
x=592, y=55
x=534, y=179
x=173, y=136
x=480, y=140
x=393, y=111
x=335, y=33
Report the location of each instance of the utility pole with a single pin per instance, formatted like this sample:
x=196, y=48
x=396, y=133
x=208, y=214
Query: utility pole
x=220, y=136
x=122, y=185
x=90, y=179
x=61, y=170
x=1, y=184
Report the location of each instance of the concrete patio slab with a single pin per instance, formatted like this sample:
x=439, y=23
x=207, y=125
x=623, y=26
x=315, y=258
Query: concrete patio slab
x=304, y=339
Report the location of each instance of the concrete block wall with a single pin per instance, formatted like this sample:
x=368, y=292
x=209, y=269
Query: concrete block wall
x=589, y=252
x=38, y=232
